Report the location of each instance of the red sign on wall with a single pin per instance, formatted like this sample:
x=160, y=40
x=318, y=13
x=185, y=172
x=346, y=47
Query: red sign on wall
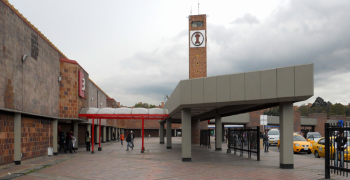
x=81, y=84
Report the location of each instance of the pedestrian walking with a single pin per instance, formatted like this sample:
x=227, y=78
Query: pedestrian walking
x=87, y=140
x=340, y=146
x=132, y=135
x=266, y=141
x=121, y=139
x=68, y=142
x=128, y=141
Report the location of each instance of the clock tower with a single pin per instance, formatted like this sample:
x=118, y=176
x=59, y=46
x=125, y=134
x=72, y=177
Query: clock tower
x=198, y=46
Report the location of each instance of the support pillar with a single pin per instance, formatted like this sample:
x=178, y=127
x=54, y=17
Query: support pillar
x=76, y=134
x=223, y=132
x=218, y=133
x=55, y=135
x=168, y=134
x=186, y=134
x=161, y=133
x=17, y=138
x=104, y=137
x=286, y=136
x=97, y=133
x=88, y=128
x=109, y=133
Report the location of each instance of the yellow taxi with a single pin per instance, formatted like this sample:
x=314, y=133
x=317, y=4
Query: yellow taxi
x=319, y=151
x=299, y=144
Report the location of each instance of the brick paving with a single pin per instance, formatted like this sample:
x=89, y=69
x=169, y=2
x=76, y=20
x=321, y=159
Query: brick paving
x=160, y=163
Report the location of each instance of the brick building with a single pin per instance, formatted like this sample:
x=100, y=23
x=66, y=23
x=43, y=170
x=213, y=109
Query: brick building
x=40, y=91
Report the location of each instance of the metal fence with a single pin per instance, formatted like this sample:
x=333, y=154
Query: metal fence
x=205, y=138
x=244, y=140
x=337, y=157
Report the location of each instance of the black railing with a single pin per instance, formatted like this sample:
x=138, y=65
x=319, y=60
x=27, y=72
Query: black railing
x=205, y=138
x=336, y=156
x=244, y=140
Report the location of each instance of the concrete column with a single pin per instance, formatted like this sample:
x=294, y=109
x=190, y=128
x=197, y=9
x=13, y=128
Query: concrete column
x=161, y=133
x=17, y=138
x=286, y=136
x=223, y=133
x=104, y=137
x=97, y=133
x=76, y=134
x=108, y=133
x=168, y=134
x=218, y=133
x=88, y=128
x=186, y=134
x=55, y=137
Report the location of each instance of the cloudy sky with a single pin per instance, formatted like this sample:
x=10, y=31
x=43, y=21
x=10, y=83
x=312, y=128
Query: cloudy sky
x=137, y=51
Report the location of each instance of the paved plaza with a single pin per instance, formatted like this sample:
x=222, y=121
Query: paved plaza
x=114, y=162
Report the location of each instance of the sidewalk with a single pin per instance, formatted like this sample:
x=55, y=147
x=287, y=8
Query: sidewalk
x=113, y=162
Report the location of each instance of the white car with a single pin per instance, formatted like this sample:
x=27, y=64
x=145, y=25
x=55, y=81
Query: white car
x=274, y=136
x=313, y=136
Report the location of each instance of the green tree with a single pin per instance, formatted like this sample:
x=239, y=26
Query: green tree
x=274, y=111
x=304, y=110
x=319, y=102
x=347, y=112
x=144, y=105
x=338, y=109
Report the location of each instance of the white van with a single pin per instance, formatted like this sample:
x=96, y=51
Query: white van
x=274, y=136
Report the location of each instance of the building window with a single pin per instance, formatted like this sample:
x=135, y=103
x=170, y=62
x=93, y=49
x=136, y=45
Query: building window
x=34, y=48
x=197, y=23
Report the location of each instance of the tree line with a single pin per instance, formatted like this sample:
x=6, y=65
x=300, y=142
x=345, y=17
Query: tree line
x=319, y=106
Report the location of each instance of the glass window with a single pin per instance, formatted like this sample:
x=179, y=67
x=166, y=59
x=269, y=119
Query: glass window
x=298, y=138
x=322, y=141
x=273, y=133
x=197, y=23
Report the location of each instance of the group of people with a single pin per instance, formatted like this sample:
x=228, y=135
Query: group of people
x=129, y=139
x=66, y=141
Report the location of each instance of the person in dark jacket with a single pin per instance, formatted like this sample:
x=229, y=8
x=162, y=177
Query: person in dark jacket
x=128, y=140
x=68, y=142
x=340, y=145
x=266, y=141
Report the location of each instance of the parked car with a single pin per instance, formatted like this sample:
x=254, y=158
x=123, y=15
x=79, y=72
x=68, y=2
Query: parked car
x=299, y=144
x=315, y=136
x=318, y=149
x=274, y=136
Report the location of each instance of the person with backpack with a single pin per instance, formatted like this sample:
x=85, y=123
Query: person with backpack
x=87, y=140
x=128, y=140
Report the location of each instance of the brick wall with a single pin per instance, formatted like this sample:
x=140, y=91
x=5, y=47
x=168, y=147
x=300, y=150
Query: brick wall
x=111, y=103
x=195, y=130
x=35, y=137
x=6, y=138
x=255, y=119
x=297, y=121
x=31, y=86
x=321, y=120
x=70, y=102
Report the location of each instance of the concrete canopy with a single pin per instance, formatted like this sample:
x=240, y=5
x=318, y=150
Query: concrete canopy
x=233, y=94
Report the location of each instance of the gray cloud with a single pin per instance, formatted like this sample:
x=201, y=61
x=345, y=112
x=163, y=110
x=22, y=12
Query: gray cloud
x=298, y=33
x=247, y=18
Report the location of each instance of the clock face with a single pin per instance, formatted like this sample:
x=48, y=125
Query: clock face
x=197, y=38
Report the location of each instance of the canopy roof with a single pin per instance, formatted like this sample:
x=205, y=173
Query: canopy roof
x=124, y=113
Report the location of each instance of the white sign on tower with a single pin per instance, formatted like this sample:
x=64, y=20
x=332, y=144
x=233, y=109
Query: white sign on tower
x=197, y=38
